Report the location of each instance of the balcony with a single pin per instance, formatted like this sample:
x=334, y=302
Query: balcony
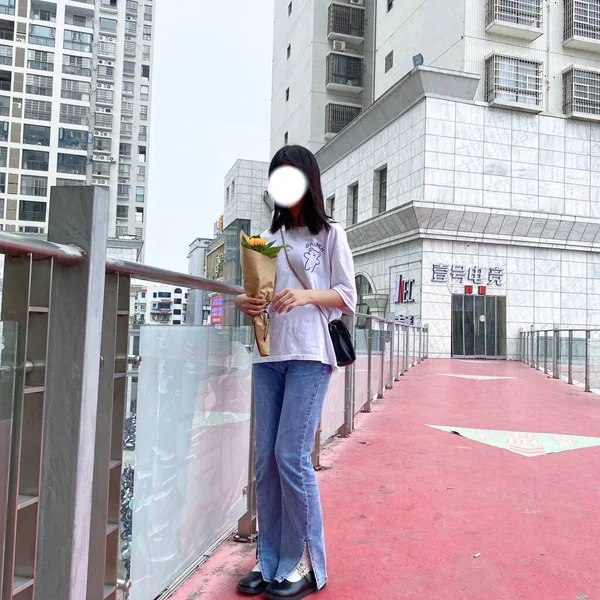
x=582, y=25
x=346, y=23
x=513, y=83
x=344, y=73
x=337, y=116
x=581, y=93
x=515, y=18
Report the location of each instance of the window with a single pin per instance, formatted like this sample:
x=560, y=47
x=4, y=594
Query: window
x=142, y=154
x=287, y=95
x=74, y=164
x=6, y=55
x=102, y=144
x=390, y=5
x=130, y=28
x=389, y=61
x=40, y=60
x=512, y=81
x=101, y=169
x=581, y=93
x=139, y=216
x=123, y=190
x=286, y=138
x=40, y=14
x=3, y=131
x=2, y=190
x=290, y=7
x=124, y=170
x=41, y=35
x=147, y=12
x=146, y=52
x=140, y=193
x=518, y=12
x=34, y=186
x=146, y=72
x=141, y=173
x=39, y=110
x=76, y=40
x=143, y=113
x=144, y=92
x=31, y=210
x=108, y=25
x=581, y=19
x=109, y=3
x=78, y=20
x=4, y=106
x=344, y=70
x=143, y=133
x=128, y=67
x=177, y=311
x=381, y=189
x=35, y=160
x=105, y=97
x=73, y=139
x=76, y=90
x=106, y=73
x=128, y=88
x=103, y=120
x=330, y=206
x=107, y=49
x=289, y=50
x=70, y=182
x=126, y=129
x=76, y=115
x=7, y=7
x=36, y=135
x=353, y=204
x=177, y=301
x=77, y=65
x=147, y=33
x=122, y=211
x=40, y=85
x=3, y=157
x=2, y=205
x=337, y=116
x=125, y=150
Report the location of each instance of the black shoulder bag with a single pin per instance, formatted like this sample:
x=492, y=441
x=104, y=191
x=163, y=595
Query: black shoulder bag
x=340, y=336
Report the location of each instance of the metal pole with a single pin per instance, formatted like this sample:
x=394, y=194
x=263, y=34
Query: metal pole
x=570, y=366
x=407, y=348
x=79, y=216
x=382, y=352
x=531, y=340
x=367, y=406
x=348, y=425
x=392, y=331
x=537, y=351
x=587, y=360
x=555, y=351
x=546, y=352
x=420, y=344
x=414, y=349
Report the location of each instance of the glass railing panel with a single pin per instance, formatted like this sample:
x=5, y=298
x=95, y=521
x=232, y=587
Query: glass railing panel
x=594, y=361
x=361, y=366
x=191, y=449
x=377, y=345
x=8, y=373
x=332, y=417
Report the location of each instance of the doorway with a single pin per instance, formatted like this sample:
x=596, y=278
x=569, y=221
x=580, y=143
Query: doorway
x=478, y=326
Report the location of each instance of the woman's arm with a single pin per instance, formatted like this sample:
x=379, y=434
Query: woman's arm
x=289, y=299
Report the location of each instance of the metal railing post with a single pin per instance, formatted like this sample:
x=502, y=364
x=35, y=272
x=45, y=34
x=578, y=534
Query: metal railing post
x=392, y=331
x=407, y=348
x=420, y=344
x=537, y=351
x=570, y=350
x=532, y=345
x=247, y=529
x=555, y=351
x=397, y=346
x=587, y=360
x=414, y=348
x=545, y=352
x=381, y=350
x=367, y=406
x=78, y=216
x=348, y=426
x=427, y=342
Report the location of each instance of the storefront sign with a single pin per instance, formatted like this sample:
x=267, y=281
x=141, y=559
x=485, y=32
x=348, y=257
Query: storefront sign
x=404, y=290
x=460, y=273
x=216, y=310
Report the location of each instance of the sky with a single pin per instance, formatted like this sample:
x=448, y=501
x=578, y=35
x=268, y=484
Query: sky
x=210, y=106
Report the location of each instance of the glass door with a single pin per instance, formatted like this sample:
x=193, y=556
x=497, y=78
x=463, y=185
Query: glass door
x=478, y=326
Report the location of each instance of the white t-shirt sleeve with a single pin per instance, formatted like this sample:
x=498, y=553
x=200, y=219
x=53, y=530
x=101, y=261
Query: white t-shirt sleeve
x=342, y=268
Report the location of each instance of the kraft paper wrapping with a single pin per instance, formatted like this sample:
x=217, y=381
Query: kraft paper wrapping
x=258, y=272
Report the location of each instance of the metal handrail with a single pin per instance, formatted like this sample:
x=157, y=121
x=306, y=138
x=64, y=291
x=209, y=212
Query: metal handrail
x=13, y=244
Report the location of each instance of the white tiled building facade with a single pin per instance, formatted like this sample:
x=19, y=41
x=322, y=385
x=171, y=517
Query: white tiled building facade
x=75, y=89
x=471, y=196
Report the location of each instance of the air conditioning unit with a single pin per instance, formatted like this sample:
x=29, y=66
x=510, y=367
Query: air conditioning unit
x=20, y=40
x=357, y=2
x=112, y=159
x=339, y=46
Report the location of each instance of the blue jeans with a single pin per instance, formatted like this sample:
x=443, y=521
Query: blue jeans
x=288, y=400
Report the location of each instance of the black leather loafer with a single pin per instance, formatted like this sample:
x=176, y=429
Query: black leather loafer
x=287, y=590
x=252, y=584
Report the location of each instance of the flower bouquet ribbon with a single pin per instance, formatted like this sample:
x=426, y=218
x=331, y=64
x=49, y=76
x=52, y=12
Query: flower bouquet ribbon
x=259, y=266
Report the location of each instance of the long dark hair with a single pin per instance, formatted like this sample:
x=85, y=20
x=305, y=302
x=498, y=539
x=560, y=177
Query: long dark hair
x=313, y=208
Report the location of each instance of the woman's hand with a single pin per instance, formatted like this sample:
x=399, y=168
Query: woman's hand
x=253, y=307
x=289, y=299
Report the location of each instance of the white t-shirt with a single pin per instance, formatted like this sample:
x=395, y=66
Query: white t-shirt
x=324, y=262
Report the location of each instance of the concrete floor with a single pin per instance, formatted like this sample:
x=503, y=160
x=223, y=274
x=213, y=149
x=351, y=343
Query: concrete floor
x=414, y=512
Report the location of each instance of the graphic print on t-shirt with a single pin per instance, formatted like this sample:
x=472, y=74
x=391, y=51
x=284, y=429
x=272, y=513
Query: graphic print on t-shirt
x=312, y=256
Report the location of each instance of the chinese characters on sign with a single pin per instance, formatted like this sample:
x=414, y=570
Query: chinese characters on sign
x=405, y=319
x=404, y=290
x=460, y=273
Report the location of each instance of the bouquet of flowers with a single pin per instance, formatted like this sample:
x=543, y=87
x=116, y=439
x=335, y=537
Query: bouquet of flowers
x=259, y=266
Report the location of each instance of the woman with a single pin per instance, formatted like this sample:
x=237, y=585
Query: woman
x=290, y=386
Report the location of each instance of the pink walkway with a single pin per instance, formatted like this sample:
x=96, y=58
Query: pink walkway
x=413, y=512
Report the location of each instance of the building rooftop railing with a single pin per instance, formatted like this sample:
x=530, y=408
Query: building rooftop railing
x=131, y=449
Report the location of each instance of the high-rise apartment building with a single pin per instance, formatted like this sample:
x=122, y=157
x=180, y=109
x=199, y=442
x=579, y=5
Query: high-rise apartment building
x=75, y=91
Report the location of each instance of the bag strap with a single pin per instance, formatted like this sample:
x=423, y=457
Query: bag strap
x=287, y=256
